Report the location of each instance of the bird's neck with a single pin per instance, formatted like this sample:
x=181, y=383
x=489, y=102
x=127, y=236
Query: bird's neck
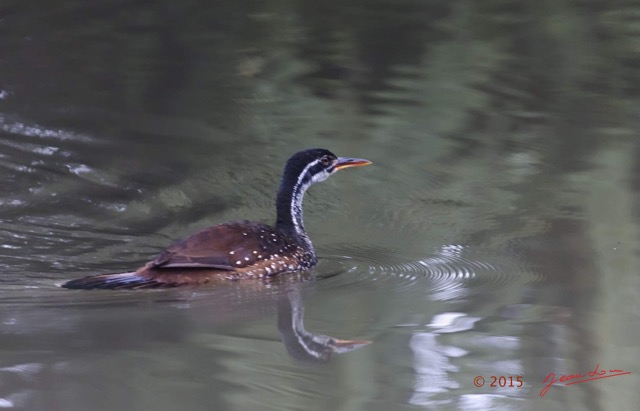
x=289, y=206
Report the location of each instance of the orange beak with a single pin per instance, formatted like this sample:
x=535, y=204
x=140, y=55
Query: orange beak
x=342, y=346
x=346, y=162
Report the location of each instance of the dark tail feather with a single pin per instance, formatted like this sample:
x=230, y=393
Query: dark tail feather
x=122, y=281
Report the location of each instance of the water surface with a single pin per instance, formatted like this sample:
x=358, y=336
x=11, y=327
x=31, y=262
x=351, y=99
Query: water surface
x=495, y=235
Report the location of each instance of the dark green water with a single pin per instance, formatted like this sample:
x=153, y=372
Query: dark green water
x=496, y=233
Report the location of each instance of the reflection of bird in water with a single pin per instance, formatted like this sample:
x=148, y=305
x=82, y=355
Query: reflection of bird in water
x=240, y=249
x=301, y=344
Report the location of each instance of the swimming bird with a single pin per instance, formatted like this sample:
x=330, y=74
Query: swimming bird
x=238, y=250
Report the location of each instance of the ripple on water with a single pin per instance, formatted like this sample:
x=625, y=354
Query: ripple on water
x=446, y=273
x=14, y=125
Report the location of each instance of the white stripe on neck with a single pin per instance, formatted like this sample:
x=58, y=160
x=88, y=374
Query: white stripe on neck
x=296, y=198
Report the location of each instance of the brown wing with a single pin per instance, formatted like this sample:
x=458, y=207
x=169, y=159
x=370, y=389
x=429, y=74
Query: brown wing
x=227, y=246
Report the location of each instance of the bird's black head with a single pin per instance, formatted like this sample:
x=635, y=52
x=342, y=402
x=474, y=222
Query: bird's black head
x=303, y=169
x=314, y=165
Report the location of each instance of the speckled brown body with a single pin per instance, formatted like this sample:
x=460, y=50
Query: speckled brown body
x=229, y=251
x=236, y=250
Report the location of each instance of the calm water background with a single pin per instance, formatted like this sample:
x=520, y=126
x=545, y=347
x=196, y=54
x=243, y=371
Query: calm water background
x=496, y=234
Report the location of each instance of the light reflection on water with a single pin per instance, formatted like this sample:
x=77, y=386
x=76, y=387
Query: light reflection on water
x=496, y=233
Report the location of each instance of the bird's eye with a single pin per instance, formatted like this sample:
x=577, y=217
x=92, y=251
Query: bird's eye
x=325, y=161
